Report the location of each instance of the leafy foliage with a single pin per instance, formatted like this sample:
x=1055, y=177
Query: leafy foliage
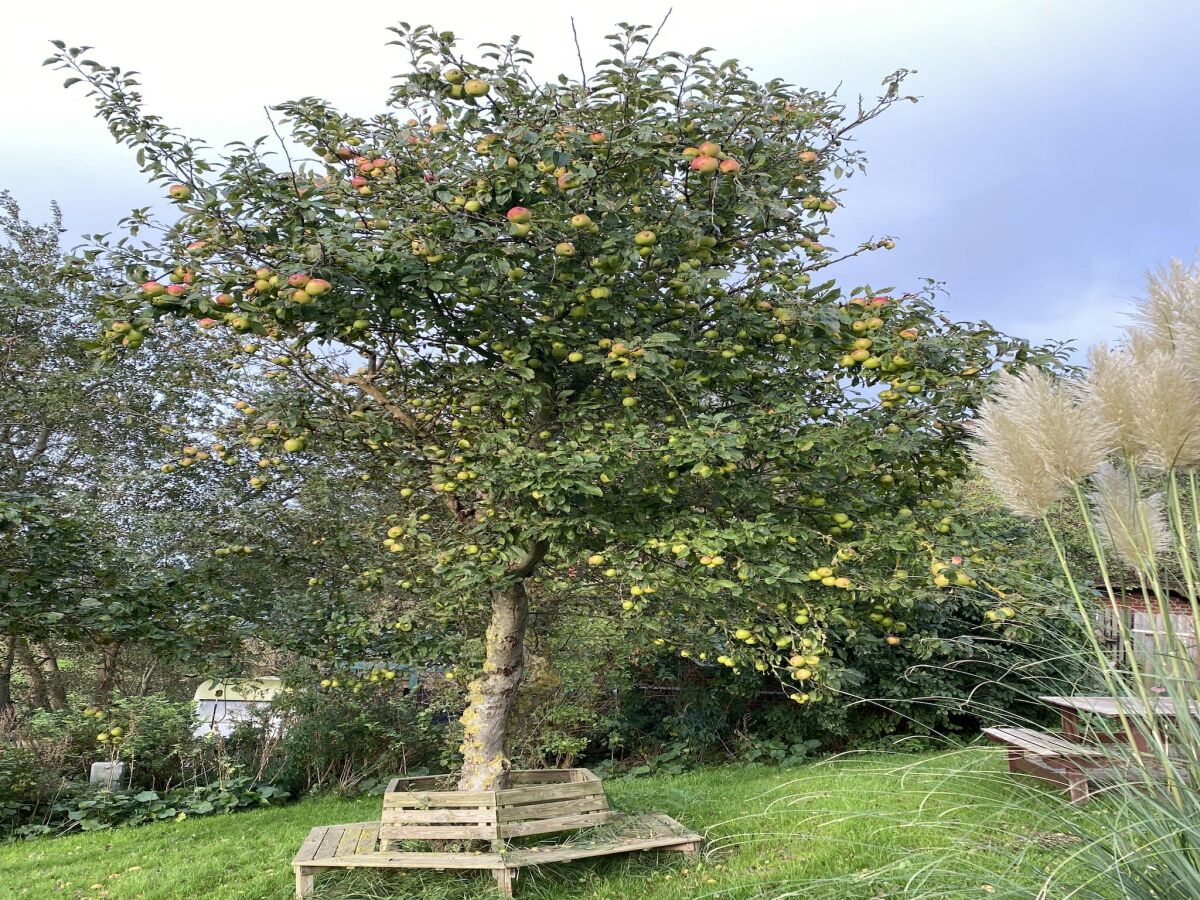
x=574, y=330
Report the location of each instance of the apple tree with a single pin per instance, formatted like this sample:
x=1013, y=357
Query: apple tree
x=578, y=331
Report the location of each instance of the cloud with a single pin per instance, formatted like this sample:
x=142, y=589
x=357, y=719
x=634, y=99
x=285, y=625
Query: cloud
x=1047, y=134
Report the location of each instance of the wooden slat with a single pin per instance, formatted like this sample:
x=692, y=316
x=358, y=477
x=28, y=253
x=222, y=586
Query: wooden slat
x=544, y=826
x=329, y=842
x=1112, y=707
x=479, y=815
x=309, y=848
x=421, y=799
x=395, y=860
x=421, y=783
x=541, y=776
x=1041, y=742
x=531, y=811
x=539, y=793
x=347, y=842
x=367, y=838
x=645, y=832
x=435, y=832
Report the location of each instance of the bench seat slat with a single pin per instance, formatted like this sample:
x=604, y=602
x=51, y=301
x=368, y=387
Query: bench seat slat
x=479, y=815
x=550, y=810
x=1041, y=743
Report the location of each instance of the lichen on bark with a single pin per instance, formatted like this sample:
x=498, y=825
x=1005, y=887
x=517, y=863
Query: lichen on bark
x=491, y=696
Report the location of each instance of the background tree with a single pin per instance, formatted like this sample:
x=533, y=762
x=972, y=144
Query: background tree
x=99, y=549
x=573, y=329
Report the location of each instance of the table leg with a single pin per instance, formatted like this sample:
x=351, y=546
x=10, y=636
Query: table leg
x=1071, y=727
x=304, y=881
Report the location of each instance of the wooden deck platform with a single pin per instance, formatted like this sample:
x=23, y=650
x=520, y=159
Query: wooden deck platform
x=359, y=846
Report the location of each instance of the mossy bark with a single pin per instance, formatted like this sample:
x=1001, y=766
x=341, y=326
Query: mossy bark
x=491, y=696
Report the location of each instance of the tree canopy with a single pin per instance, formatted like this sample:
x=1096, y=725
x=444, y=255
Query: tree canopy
x=580, y=334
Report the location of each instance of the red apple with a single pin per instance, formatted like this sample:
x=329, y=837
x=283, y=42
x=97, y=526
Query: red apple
x=153, y=289
x=730, y=166
x=519, y=215
x=206, y=322
x=705, y=165
x=596, y=137
x=298, y=280
x=177, y=290
x=709, y=148
x=223, y=300
x=315, y=287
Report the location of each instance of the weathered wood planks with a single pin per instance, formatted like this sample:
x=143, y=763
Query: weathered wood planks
x=539, y=802
x=354, y=846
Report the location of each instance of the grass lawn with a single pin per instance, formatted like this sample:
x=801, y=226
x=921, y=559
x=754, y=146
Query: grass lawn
x=872, y=825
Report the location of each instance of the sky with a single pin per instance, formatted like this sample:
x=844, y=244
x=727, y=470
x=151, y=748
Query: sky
x=1052, y=158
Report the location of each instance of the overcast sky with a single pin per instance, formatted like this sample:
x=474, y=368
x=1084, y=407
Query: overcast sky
x=1052, y=159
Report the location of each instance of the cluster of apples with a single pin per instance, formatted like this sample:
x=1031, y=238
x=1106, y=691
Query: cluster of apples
x=708, y=159
x=189, y=456
x=860, y=351
x=950, y=574
x=243, y=550
x=462, y=86
x=123, y=333
x=885, y=618
x=303, y=288
x=828, y=577
x=367, y=169
x=803, y=666
x=375, y=676
x=181, y=280
x=520, y=220
x=113, y=735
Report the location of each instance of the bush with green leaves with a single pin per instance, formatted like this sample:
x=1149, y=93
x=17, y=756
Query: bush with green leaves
x=88, y=808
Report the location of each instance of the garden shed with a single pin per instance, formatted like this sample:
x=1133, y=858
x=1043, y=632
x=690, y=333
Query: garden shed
x=1153, y=639
x=220, y=705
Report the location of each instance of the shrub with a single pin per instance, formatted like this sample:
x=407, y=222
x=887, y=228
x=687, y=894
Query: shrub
x=354, y=731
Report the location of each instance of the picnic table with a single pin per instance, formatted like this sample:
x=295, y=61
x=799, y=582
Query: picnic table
x=1075, y=757
x=1133, y=709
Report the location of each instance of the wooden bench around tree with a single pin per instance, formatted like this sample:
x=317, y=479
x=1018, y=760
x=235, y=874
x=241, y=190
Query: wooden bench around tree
x=1051, y=757
x=537, y=803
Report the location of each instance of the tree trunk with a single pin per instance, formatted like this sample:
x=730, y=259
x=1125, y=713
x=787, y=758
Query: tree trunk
x=56, y=688
x=490, y=697
x=107, y=677
x=8, y=709
x=33, y=674
x=144, y=681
